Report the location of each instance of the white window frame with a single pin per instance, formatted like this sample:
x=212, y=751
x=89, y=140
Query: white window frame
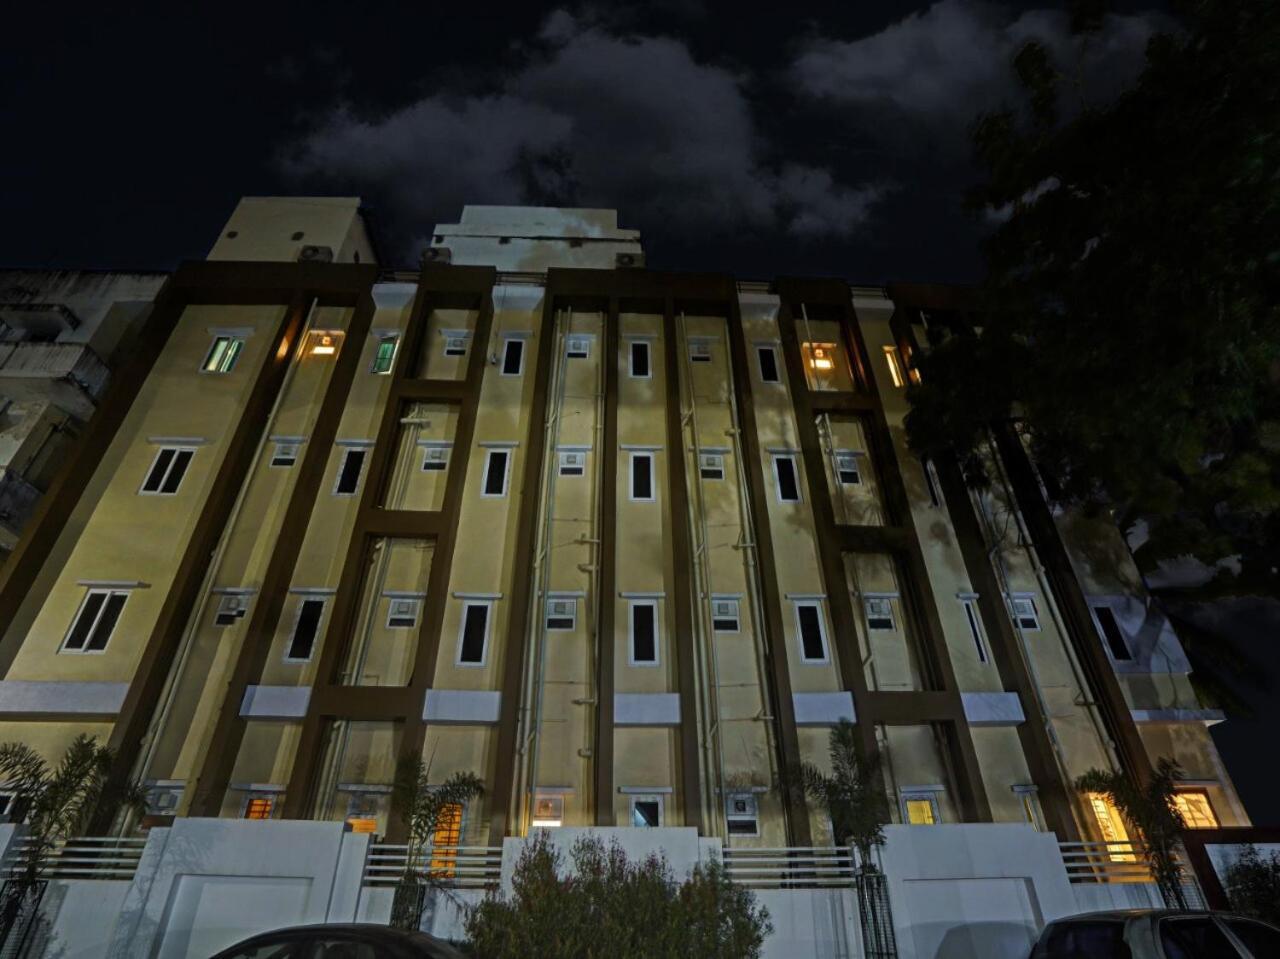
x=884, y=610
x=631, y=477
x=235, y=605
x=489, y=453
x=700, y=349
x=973, y=616
x=632, y=606
x=378, y=340
x=916, y=793
x=847, y=461
x=713, y=461
x=280, y=458
x=822, y=631
x=1013, y=602
x=577, y=346
x=752, y=817
x=571, y=614
x=177, y=450
x=415, y=611
x=84, y=650
x=506, y=345
x=546, y=822
x=208, y=356
x=435, y=453
x=342, y=468
x=565, y=461
x=777, y=367
x=646, y=797
x=777, y=478
x=467, y=604
x=455, y=341
x=1029, y=799
x=736, y=614
x=632, y=343
x=303, y=599
x=1094, y=606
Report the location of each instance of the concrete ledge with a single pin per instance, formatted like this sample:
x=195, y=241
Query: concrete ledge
x=275, y=702
x=1206, y=716
x=28, y=697
x=823, y=709
x=993, y=709
x=646, y=709
x=464, y=707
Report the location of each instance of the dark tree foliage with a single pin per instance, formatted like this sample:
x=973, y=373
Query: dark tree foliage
x=1131, y=314
x=853, y=792
x=1253, y=884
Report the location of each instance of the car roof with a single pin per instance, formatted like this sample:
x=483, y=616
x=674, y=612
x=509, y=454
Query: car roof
x=1120, y=915
x=368, y=930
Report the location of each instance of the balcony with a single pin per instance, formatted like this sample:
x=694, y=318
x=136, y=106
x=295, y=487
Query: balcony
x=71, y=374
x=18, y=500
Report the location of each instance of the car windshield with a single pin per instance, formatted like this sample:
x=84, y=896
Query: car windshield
x=1083, y=940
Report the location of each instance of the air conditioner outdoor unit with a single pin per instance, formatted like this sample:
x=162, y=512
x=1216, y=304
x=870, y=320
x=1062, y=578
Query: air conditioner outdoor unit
x=438, y=254
x=624, y=261
x=316, y=254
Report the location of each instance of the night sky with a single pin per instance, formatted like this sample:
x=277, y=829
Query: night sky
x=830, y=139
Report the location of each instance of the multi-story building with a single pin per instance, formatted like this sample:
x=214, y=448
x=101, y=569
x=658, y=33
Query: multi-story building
x=625, y=543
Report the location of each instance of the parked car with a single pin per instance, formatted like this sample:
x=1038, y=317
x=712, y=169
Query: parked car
x=341, y=941
x=1157, y=934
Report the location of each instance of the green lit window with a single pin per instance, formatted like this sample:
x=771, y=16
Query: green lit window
x=223, y=354
x=385, y=355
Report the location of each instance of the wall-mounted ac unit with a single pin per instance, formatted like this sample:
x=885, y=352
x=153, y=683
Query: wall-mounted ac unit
x=629, y=261
x=316, y=254
x=438, y=254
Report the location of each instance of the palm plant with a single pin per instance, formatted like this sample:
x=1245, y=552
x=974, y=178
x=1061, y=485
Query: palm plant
x=421, y=806
x=852, y=792
x=1150, y=809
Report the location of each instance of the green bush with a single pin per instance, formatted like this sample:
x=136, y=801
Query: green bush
x=1253, y=884
x=608, y=906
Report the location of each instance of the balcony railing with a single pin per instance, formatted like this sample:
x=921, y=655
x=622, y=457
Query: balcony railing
x=789, y=867
x=75, y=362
x=474, y=867
x=1113, y=862
x=88, y=857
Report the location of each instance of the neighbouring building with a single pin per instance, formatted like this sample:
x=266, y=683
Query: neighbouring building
x=625, y=543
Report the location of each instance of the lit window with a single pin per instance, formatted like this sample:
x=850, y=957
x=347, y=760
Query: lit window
x=640, y=368
x=435, y=457
x=813, y=632
x=286, y=453
x=577, y=347
x=742, y=814
x=784, y=474
x=847, y=468
x=1111, y=827
x=646, y=812
x=767, y=356
x=223, y=354
x=324, y=344
x=1024, y=612
x=1196, y=810
x=495, y=473
x=1029, y=800
x=724, y=614
x=350, y=467
x=700, y=351
x=446, y=839
x=573, y=462
x=642, y=478
x=231, y=609
x=644, y=632
x=402, y=612
x=512, y=356
x=259, y=807
x=305, y=630
x=821, y=356
x=1116, y=643
x=455, y=342
x=167, y=471
x=473, y=634
x=970, y=605
x=548, y=811
x=894, y=364
x=95, y=621
x=879, y=610
x=562, y=612
x=920, y=808
x=711, y=466
x=362, y=824
x=385, y=355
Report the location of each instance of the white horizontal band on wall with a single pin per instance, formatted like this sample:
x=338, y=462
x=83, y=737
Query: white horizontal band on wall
x=823, y=709
x=287, y=439
x=113, y=583
x=28, y=697
x=275, y=702
x=782, y=450
x=566, y=593
x=574, y=448
x=436, y=444
x=642, y=595
x=257, y=787
x=992, y=709
x=646, y=709
x=355, y=443
x=403, y=594
x=312, y=590
x=645, y=790
x=462, y=707
x=178, y=440
x=1207, y=716
x=477, y=596
x=805, y=597
x=498, y=444
x=233, y=590
x=639, y=448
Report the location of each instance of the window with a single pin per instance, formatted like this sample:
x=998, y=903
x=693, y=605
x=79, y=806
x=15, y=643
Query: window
x=1111, y=827
x=305, y=629
x=562, y=612
x=385, y=354
x=895, y=365
x=1195, y=938
x=473, y=635
x=223, y=354
x=96, y=618
x=700, y=351
x=435, y=457
x=768, y=359
x=920, y=808
x=402, y=612
x=879, y=610
x=931, y=482
x=6, y=805
x=1024, y=612
x=349, y=469
x=813, y=633
x=1195, y=808
x=970, y=604
x=1259, y=939
x=446, y=839
x=1116, y=644
x=642, y=477
x=231, y=609
x=1029, y=799
x=577, y=347
x=847, y=468
x=644, y=632
x=512, y=356
x=167, y=470
x=572, y=462
x=646, y=812
x=285, y=453
x=741, y=813
x=784, y=473
x=259, y=807
x=495, y=473
x=640, y=359
x=711, y=466
x=724, y=614
x=455, y=342
x=548, y=811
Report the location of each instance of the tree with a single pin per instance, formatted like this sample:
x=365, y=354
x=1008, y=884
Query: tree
x=609, y=906
x=1253, y=884
x=1131, y=312
x=853, y=793
x=1150, y=809
x=421, y=806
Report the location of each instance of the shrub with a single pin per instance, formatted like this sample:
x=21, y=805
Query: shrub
x=1253, y=884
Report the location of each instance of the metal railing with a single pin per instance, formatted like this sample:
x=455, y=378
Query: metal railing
x=87, y=857
x=475, y=867
x=789, y=867
x=1111, y=862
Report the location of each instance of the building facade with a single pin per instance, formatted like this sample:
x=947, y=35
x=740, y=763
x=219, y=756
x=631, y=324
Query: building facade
x=625, y=543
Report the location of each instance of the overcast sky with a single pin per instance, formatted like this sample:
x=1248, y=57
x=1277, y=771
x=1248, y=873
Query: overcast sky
x=830, y=141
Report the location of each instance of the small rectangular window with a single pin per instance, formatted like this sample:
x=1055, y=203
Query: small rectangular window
x=1028, y=798
x=349, y=469
x=259, y=807
x=577, y=347
x=1024, y=612
x=548, y=811
x=455, y=343
x=975, y=627
x=167, y=470
x=1197, y=812
x=495, y=473
x=724, y=614
x=700, y=351
x=742, y=814
x=644, y=632
x=573, y=462
x=95, y=621
x=879, y=610
x=768, y=358
x=711, y=466
x=402, y=612
x=1111, y=633
x=231, y=609
x=646, y=812
x=473, y=636
x=642, y=477
x=640, y=359
x=895, y=365
x=285, y=453
x=813, y=633
x=305, y=630
x=920, y=808
x=384, y=355
x=784, y=472
x=223, y=354
x=847, y=468
x=512, y=356
x=931, y=482
x=435, y=458
x=562, y=613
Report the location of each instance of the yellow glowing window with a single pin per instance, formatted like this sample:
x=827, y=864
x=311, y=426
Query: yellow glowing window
x=259, y=807
x=920, y=811
x=1196, y=811
x=821, y=357
x=325, y=344
x=362, y=824
x=895, y=366
x=548, y=811
x=444, y=841
x=1112, y=828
